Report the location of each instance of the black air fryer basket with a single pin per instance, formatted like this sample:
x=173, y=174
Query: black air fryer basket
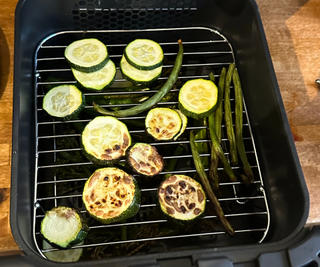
x=265, y=216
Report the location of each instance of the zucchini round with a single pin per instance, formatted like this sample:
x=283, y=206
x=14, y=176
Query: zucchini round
x=145, y=159
x=198, y=98
x=63, y=227
x=137, y=76
x=184, y=121
x=163, y=123
x=87, y=55
x=111, y=195
x=181, y=198
x=98, y=80
x=64, y=101
x=64, y=255
x=144, y=54
x=105, y=140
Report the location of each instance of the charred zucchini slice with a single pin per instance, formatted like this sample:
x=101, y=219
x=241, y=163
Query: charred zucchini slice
x=63, y=227
x=64, y=255
x=105, y=140
x=98, y=80
x=144, y=54
x=111, y=195
x=64, y=101
x=198, y=98
x=184, y=121
x=163, y=123
x=87, y=55
x=137, y=76
x=145, y=159
x=182, y=198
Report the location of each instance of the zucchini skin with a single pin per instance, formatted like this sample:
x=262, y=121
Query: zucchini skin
x=141, y=67
x=128, y=151
x=173, y=219
x=89, y=69
x=77, y=239
x=165, y=89
x=132, y=210
x=74, y=114
x=147, y=83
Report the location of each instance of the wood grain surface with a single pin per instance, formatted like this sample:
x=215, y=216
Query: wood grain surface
x=292, y=31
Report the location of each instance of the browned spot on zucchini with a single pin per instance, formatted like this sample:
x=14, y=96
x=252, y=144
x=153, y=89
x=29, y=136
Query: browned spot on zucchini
x=182, y=184
x=183, y=209
x=92, y=195
x=108, y=151
x=127, y=180
x=170, y=211
x=200, y=195
x=94, y=178
x=125, y=141
x=99, y=213
x=191, y=206
x=106, y=156
x=197, y=211
x=116, y=147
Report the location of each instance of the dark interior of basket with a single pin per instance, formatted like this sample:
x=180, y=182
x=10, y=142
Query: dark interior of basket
x=63, y=170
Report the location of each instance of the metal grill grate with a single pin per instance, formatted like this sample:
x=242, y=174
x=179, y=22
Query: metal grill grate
x=60, y=178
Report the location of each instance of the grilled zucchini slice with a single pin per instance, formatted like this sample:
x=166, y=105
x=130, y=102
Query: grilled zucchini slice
x=163, y=123
x=64, y=255
x=198, y=98
x=181, y=198
x=63, y=227
x=64, y=101
x=145, y=159
x=98, y=80
x=105, y=140
x=111, y=195
x=144, y=54
x=137, y=76
x=184, y=121
x=87, y=55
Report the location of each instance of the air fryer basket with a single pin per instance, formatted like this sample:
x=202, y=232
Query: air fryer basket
x=215, y=33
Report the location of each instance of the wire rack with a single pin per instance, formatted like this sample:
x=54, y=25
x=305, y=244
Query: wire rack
x=60, y=177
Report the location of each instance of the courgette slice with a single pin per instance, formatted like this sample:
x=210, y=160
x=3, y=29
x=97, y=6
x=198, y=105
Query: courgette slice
x=198, y=98
x=64, y=101
x=111, y=195
x=63, y=227
x=181, y=198
x=144, y=54
x=163, y=123
x=184, y=121
x=105, y=140
x=98, y=80
x=145, y=159
x=137, y=76
x=64, y=255
x=87, y=55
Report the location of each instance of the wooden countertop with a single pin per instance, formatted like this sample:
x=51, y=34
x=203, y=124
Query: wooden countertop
x=292, y=30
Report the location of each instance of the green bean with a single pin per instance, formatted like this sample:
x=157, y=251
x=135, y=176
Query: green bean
x=228, y=118
x=165, y=89
x=206, y=184
x=219, y=111
x=248, y=178
x=202, y=146
x=217, y=149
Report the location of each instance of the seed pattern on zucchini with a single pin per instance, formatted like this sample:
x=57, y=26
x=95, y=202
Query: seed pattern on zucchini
x=182, y=198
x=64, y=101
x=105, y=140
x=144, y=54
x=87, y=55
x=63, y=227
x=145, y=159
x=163, y=123
x=137, y=76
x=198, y=98
x=111, y=195
x=98, y=80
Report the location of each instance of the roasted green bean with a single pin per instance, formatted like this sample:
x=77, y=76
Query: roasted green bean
x=248, y=178
x=206, y=184
x=218, y=114
x=228, y=117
